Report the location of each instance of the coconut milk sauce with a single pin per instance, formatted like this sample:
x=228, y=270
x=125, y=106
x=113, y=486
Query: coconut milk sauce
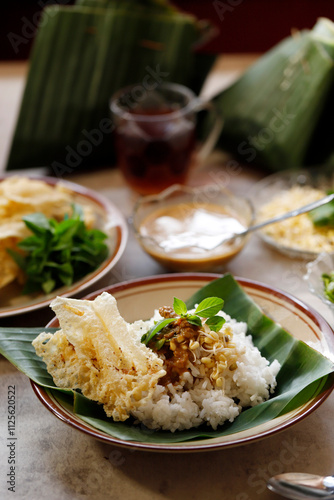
x=191, y=230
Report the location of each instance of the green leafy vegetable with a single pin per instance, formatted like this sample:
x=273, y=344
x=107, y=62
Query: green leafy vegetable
x=58, y=253
x=208, y=308
x=194, y=320
x=215, y=323
x=179, y=307
x=159, y=344
x=324, y=215
x=328, y=280
x=147, y=337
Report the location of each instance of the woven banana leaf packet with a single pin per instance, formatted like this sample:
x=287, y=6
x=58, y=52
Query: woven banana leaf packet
x=82, y=54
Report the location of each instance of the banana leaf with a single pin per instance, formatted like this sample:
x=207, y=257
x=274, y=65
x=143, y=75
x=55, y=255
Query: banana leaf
x=82, y=54
x=278, y=113
x=159, y=5
x=304, y=372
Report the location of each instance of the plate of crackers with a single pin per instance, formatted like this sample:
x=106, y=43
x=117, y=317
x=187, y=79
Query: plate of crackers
x=56, y=239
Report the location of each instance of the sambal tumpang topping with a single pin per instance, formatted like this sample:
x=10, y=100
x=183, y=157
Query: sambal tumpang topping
x=186, y=340
x=173, y=345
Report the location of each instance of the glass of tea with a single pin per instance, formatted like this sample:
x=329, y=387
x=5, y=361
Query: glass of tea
x=155, y=134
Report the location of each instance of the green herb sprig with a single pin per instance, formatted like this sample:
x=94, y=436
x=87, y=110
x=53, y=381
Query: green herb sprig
x=323, y=216
x=207, y=309
x=58, y=253
x=328, y=281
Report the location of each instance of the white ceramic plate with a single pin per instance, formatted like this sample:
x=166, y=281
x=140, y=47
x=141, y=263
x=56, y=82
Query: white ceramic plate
x=137, y=299
x=110, y=220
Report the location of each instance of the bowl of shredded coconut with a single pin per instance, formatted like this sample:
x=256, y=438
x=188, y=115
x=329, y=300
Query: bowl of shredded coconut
x=304, y=236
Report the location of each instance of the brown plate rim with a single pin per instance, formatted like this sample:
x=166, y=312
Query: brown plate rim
x=312, y=405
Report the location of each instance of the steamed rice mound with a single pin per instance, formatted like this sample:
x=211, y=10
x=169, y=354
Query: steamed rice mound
x=186, y=376
x=196, y=399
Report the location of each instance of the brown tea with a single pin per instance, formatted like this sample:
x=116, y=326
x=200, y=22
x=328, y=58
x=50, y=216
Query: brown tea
x=154, y=148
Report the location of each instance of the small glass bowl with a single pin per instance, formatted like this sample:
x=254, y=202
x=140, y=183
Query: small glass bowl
x=324, y=263
x=183, y=248
x=275, y=184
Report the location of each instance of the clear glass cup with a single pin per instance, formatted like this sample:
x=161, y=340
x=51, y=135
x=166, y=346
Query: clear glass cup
x=155, y=134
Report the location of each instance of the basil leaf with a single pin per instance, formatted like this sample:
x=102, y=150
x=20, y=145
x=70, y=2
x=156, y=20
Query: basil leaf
x=58, y=253
x=328, y=281
x=48, y=285
x=77, y=212
x=29, y=244
x=179, y=307
x=155, y=329
x=209, y=307
x=37, y=223
x=194, y=320
x=323, y=215
x=159, y=344
x=215, y=323
x=17, y=257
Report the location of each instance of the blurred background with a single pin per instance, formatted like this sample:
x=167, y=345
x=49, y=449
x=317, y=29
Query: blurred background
x=244, y=25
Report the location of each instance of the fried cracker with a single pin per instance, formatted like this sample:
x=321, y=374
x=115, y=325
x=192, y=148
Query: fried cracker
x=95, y=352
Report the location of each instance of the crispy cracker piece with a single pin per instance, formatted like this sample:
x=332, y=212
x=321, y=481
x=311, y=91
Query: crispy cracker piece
x=21, y=195
x=8, y=268
x=95, y=352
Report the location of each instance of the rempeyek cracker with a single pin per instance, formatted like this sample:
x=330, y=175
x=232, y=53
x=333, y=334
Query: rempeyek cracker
x=96, y=352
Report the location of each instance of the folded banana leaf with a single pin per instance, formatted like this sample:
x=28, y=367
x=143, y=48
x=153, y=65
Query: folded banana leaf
x=303, y=375
x=82, y=54
x=159, y=5
x=321, y=147
x=277, y=113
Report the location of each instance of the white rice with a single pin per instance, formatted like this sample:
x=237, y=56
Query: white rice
x=196, y=399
